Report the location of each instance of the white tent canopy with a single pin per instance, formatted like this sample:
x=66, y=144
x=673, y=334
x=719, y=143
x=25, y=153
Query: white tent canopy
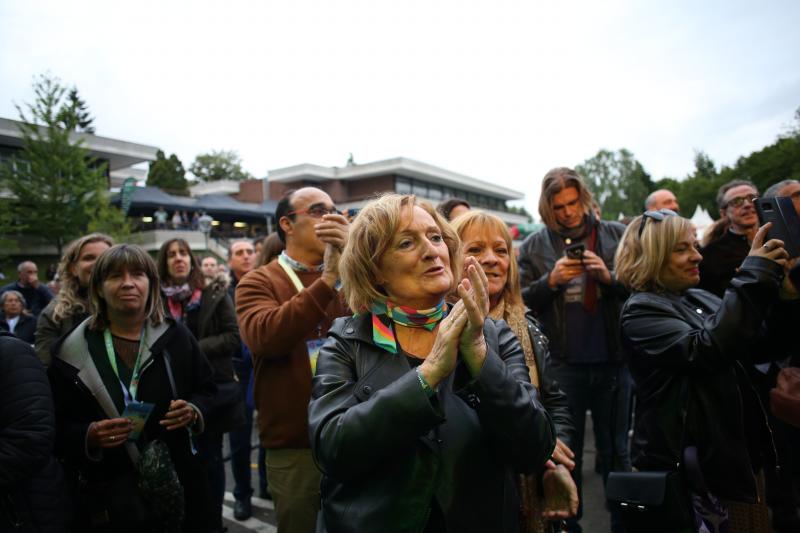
x=701, y=220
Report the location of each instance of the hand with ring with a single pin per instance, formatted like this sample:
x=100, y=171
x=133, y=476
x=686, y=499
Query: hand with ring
x=180, y=415
x=109, y=433
x=772, y=249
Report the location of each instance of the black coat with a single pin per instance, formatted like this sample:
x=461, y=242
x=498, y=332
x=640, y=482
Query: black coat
x=538, y=256
x=388, y=452
x=84, y=394
x=214, y=326
x=31, y=480
x=553, y=398
x=25, y=329
x=697, y=342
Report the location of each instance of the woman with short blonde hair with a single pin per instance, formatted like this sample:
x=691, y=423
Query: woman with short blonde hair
x=686, y=348
x=371, y=233
x=550, y=494
x=420, y=413
x=642, y=253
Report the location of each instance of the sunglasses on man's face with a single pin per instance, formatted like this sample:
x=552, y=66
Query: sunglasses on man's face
x=740, y=200
x=657, y=216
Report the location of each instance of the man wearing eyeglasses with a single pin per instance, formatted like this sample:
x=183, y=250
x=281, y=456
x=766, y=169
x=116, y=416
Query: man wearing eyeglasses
x=723, y=256
x=285, y=309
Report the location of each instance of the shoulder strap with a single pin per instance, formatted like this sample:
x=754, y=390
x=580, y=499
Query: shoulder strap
x=168, y=365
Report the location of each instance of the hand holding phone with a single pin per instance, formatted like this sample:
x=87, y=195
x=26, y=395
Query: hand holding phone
x=575, y=251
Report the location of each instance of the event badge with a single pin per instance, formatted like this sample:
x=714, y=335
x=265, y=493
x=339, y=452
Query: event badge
x=313, y=352
x=138, y=413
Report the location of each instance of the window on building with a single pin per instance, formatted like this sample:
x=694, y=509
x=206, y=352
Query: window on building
x=402, y=186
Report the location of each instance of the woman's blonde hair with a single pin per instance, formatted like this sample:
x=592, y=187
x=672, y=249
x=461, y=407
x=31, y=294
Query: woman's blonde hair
x=69, y=301
x=639, y=261
x=491, y=224
x=120, y=258
x=371, y=233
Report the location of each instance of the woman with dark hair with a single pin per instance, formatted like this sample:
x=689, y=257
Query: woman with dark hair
x=70, y=307
x=208, y=312
x=128, y=356
x=452, y=208
x=695, y=405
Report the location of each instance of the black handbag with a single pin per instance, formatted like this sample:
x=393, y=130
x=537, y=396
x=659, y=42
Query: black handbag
x=651, y=501
x=114, y=501
x=657, y=501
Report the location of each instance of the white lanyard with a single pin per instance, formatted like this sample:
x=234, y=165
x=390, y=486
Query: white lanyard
x=291, y=273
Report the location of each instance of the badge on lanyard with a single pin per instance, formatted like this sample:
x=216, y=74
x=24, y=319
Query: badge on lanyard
x=313, y=352
x=313, y=346
x=137, y=413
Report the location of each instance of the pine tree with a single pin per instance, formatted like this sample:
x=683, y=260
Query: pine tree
x=56, y=188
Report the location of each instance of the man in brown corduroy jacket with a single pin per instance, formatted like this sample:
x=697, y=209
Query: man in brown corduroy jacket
x=285, y=309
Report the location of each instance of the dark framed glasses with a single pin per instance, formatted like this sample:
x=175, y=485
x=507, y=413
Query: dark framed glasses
x=656, y=216
x=315, y=211
x=740, y=200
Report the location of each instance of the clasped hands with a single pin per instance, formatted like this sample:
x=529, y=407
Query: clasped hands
x=113, y=432
x=332, y=231
x=462, y=330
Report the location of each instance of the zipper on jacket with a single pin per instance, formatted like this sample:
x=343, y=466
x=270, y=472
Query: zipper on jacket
x=765, y=421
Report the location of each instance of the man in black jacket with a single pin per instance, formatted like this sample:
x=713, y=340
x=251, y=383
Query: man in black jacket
x=567, y=281
x=36, y=295
x=723, y=256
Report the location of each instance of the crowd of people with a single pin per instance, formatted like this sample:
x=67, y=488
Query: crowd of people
x=410, y=369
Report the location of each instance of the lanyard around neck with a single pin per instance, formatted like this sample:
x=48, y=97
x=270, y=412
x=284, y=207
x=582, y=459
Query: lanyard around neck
x=128, y=393
x=284, y=263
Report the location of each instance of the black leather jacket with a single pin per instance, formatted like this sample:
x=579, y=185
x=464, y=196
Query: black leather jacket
x=388, y=452
x=553, y=398
x=538, y=256
x=699, y=340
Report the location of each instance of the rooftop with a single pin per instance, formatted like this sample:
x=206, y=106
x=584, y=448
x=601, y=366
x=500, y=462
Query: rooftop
x=119, y=154
x=402, y=166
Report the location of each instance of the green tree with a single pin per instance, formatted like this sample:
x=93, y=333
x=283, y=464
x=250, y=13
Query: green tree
x=74, y=114
x=618, y=182
x=219, y=165
x=699, y=187
x=56, y=188
x=168, y=174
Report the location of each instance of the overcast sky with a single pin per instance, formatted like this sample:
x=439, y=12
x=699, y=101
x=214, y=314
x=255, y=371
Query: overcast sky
x=498, y=90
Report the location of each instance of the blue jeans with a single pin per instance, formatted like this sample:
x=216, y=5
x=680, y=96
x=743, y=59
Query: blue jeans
x=602, y=388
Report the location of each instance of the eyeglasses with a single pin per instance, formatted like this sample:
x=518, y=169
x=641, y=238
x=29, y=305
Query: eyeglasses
x=657, y=216
x=740, y=200
x=316, y=211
